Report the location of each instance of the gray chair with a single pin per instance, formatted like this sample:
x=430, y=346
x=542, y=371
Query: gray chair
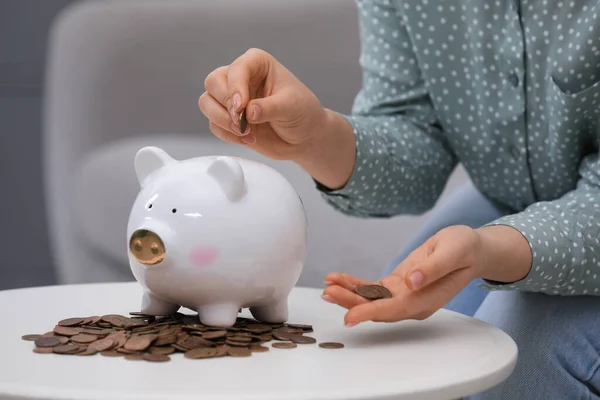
x=126, y=74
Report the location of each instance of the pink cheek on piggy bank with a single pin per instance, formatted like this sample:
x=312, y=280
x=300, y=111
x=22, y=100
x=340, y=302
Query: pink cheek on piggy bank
x=203, y=256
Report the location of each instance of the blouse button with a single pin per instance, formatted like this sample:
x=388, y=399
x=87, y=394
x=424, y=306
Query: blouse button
x=513, y=78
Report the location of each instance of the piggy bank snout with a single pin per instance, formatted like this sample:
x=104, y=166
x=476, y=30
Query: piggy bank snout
x=147, y=247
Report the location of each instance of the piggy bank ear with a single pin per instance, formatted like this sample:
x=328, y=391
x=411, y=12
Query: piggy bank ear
x=148, y=160
x=228, y=173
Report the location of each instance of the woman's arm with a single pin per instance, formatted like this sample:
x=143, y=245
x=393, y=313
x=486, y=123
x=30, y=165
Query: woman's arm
x=564, y=237
x=402, y=158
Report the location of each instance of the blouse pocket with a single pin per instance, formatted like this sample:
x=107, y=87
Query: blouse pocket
x=573, y=120
x=584, y=101
x=575, y=112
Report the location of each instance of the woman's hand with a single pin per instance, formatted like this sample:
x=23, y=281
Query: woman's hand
x=285, y=119
x=434, y=273
x=282, y=113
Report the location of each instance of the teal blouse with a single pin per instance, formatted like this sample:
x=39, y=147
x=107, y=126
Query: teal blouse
x=508, y=88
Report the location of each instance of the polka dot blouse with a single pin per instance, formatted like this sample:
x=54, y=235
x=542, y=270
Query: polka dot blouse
x=508, y=88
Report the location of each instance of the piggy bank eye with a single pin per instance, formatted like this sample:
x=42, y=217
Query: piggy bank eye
x=149, y=206
x=174, y=210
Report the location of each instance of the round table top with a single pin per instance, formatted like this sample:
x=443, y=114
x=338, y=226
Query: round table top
x=443, y=357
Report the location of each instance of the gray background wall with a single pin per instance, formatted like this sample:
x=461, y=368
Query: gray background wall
x=24, y=254
x=24, y=251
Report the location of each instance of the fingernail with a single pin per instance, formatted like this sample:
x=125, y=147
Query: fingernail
x=249, y=138
x=328, y=283
x=416, y=279
x=327, y=298
x=350, y=324
x=237, y=102
x=256, y=111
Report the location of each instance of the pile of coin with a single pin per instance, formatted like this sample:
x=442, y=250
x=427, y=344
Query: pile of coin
x=144, y=337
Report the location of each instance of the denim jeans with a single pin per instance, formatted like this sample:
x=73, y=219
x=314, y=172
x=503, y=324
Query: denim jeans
x=558, y=336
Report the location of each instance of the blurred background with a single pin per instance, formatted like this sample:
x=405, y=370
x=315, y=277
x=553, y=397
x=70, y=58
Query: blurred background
x=24, y=27
x=85, y=84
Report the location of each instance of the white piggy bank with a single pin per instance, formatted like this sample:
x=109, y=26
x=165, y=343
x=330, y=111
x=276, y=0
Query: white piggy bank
x=215, y=234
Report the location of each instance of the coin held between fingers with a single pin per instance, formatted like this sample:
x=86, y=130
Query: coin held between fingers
x=242, y=121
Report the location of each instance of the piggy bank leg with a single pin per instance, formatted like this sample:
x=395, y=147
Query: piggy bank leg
x=152, y=305
x=221, y=315
x=276, y=312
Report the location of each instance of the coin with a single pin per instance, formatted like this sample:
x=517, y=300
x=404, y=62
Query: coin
x=259, y=328
x=101, y=345
x=119, y=339
x=47, y=342
x=206, y=352
x=180, y=348
x=165, y=339
x=83, y=338
x=240, y=338
x=331, y=345
x=282, y=336
x=236, y=344
x=138, y=343
x=156, y=357
x=164, y=350
x=43, y=350
x=110, y=317
x=239, y=352
x=31, y=338
x=242, y=121
x=214, y=335
x=139, y=314
x=96, y=331
x=70, y=322
x=284, y=345
x=286, y=330
x=111, y=353
x=303, y=339
x=300, y=326
x=68, y=348
x=373, y=292
x=196, y=328
x=222, y=350
x=65, y=331
x=88, y=352
x=258, y=349
x=193, y=342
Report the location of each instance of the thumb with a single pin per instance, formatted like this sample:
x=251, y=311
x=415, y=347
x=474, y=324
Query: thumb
x=442, y=259
x=279, y=106
x=248, y=70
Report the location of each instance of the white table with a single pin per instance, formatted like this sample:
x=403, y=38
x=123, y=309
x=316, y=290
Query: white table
x=444, y=357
